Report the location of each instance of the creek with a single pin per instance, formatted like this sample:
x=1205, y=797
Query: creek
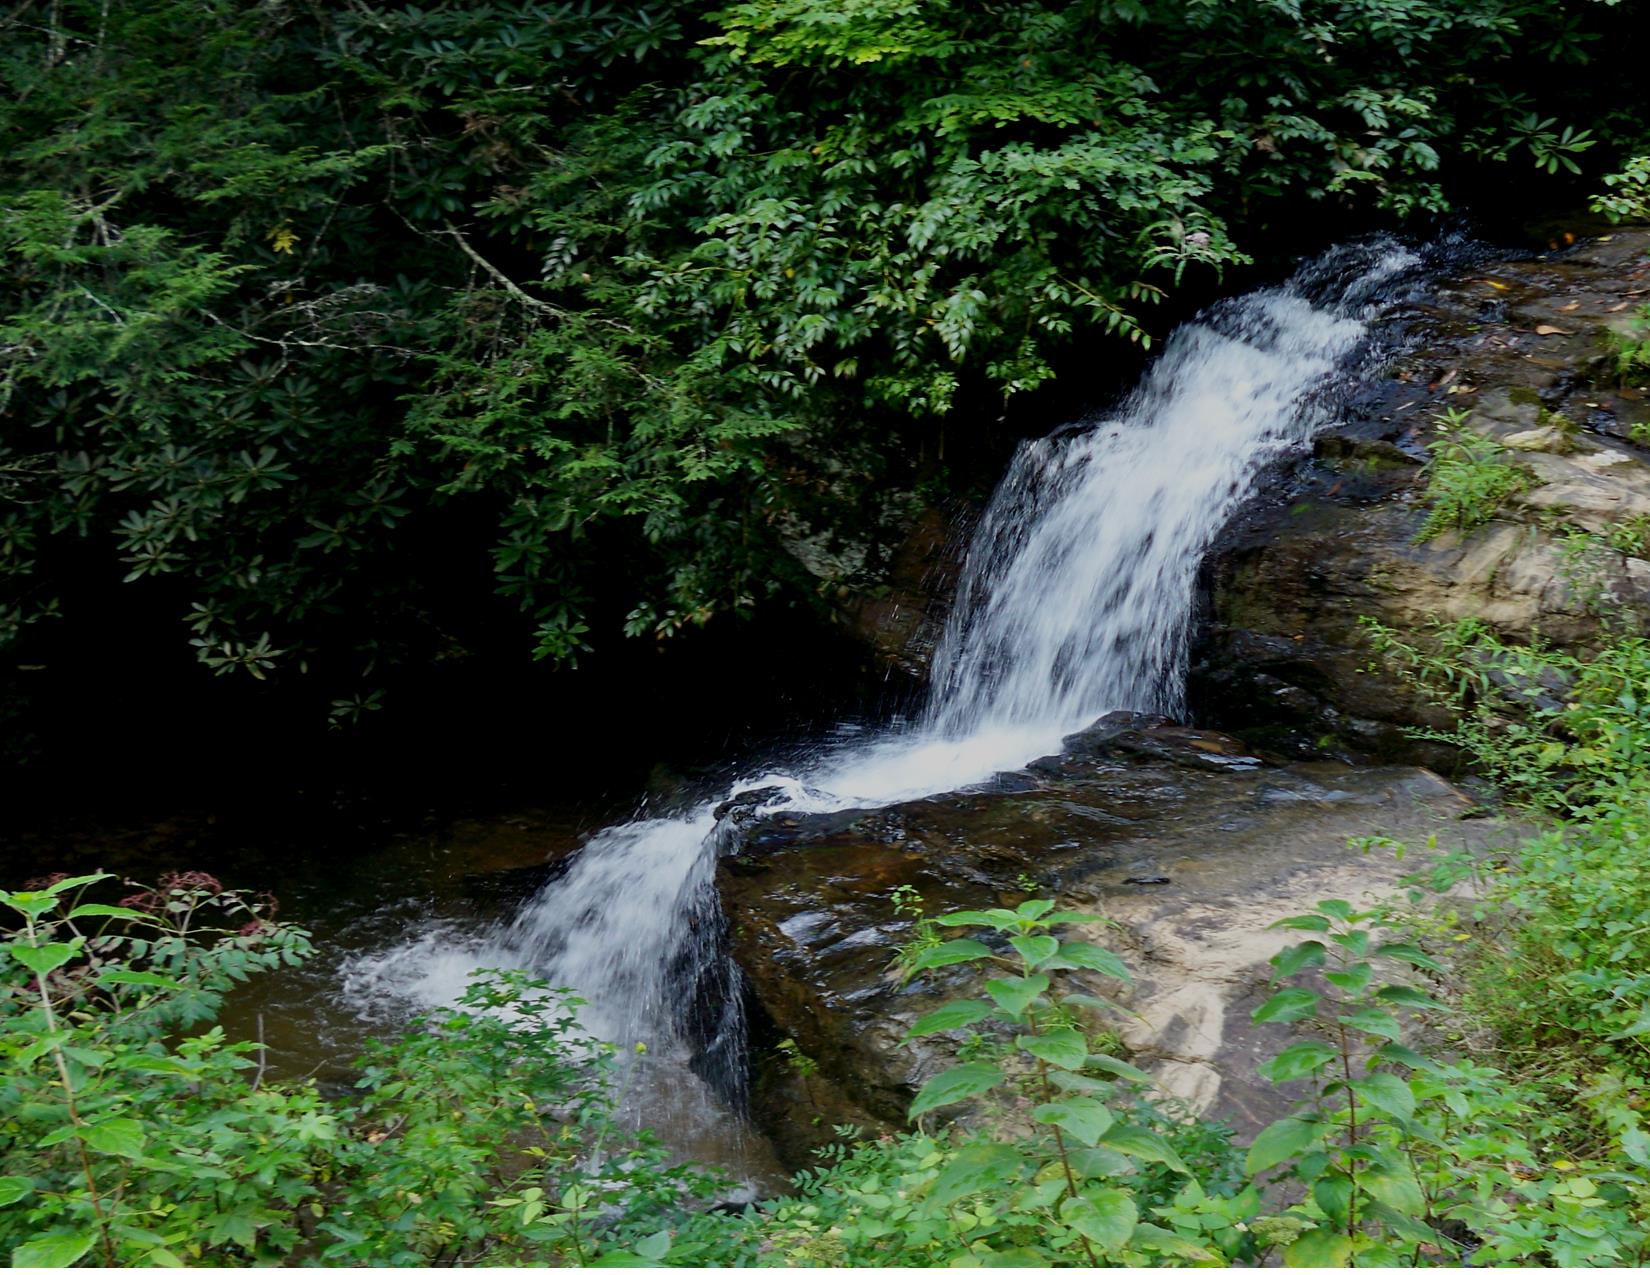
x=1076, y=599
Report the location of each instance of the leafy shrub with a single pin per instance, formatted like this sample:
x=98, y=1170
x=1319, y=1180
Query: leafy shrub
x=1468, y=479
x=308, y=313
x=1632, y=350
x=130, y=1137
x=1568, y=913
x=1626, y=194
x=1408, y=1159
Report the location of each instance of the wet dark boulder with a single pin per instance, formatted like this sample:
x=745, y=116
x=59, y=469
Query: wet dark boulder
x=1189, y=861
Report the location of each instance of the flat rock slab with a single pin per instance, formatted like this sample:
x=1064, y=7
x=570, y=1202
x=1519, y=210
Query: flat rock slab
x=1187, y=844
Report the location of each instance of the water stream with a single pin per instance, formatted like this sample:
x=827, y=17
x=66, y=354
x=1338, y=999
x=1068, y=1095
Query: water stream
x=1076, y=599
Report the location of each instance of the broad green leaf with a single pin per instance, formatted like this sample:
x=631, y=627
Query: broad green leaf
x=1407, y=1225
x=1084, y=1118
x=954, y=952
x=1410, y=953
x=1292, y=960
x=1398, y=994
x=1104, y=1215
x=1072, y=1082
x=1143, y=1144
x=45, y=958
x=1395, y=1186
x=138, y=978
x=1034, y=949
x=654, y=1247
x=1097, y=1162
x=1091, y=956
x=1353, y=979
x=1374, y=1022
x=13, y=1189
x=1064, y=1047
x=1354, y=941
x=1639, y=1027
x=1300, y=1059
x=1032, y=909
x=1391, y=1051
x=976, y=1168
x=1084, y=1001
x=1013, y=995
x=950, y=1017
x=39, y=1046
x=53, y=1250
x=1288, y=1006
x=1015, y=1257
x=118, y=1136
x=104, y=909
x=958, y=1083
x=1387, y=1093
x=1305, y=922
x=1321, y=1247
x=1074, y=918
x=1333, y=1193
x=997, y=919
x=1279, y=1142
x=1340, y=909
x=1158, y=1239
x=1119, y=1068
x=31, y=903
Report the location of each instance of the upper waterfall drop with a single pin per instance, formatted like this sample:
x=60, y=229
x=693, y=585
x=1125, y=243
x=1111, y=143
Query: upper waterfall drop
x=1076, y=595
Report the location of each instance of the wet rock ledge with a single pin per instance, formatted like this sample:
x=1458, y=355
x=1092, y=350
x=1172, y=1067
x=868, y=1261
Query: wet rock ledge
x=1524, y=351
x=1186, y=842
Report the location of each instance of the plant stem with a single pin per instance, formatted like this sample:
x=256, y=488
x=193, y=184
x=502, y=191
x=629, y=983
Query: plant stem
x=68, y=1099
x=1351, y=1138
x=1059, y=1140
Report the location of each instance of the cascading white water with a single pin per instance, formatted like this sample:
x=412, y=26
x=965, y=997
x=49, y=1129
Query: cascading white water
x=1076, y=600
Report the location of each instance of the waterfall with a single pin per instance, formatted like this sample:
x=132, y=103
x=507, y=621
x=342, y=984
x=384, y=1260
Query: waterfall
x=1076, y=600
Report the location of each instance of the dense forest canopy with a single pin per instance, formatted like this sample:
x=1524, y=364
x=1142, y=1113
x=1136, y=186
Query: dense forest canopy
x=307, y=306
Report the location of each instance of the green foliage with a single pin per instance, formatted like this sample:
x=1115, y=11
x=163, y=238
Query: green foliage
x=1563, y=984
x=1405, y=1159
x=1067, y=1164
x=1626, y=194
x=131, y=1137
x=486, y=1134
x=303, y=306
x=1468, y=479
x=1630, y=536
x=1631, y=351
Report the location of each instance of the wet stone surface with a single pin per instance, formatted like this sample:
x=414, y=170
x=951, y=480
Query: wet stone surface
x=1523, y=349
x=1130, y=802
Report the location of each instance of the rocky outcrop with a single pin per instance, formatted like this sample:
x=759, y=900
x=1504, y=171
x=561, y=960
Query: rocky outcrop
x=1188, y=844
x=1187, y=841
x=1523, y=350
x=901, y=621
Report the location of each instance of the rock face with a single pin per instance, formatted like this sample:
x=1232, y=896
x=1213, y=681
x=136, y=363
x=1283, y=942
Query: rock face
x=1524, y=350
x=1189, y=845
x=902, y=621
x=1192, y=843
